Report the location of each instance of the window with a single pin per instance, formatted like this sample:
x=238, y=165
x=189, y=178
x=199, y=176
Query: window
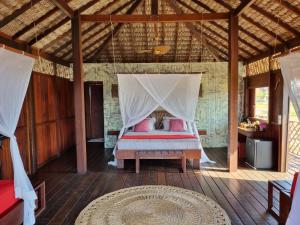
x=261, y=110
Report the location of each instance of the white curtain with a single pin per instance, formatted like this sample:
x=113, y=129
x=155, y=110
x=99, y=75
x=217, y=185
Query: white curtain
x=290, y=68
x=15, y=71
x=141, y=94
x=294, y=216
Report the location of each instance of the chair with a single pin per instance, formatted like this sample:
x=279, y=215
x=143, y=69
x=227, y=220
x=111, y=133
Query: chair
x=294, y=216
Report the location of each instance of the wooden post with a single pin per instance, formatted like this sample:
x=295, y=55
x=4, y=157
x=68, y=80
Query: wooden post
x=79, y=95
x=233, y=95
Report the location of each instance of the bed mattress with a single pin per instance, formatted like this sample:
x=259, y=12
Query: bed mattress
x=151, y=143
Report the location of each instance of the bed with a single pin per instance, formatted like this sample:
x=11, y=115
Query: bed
x=159, y=144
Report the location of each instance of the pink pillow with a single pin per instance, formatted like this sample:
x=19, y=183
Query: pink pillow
x=144, y=126
x=177, y=125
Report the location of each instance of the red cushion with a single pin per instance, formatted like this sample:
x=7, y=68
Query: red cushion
x=177, y=125
x=144, y=126
x=7, y=196
x=294, y=183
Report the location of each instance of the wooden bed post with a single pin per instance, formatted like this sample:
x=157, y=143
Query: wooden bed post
x=233, y=95
x=79, y=95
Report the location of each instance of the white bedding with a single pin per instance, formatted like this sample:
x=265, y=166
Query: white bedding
x=158, y=144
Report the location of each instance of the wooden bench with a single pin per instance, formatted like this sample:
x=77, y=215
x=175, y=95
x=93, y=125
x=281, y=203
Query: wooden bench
x=160, y=154
x=285, y=200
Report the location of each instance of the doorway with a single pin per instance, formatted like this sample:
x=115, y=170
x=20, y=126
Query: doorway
x=94, y=111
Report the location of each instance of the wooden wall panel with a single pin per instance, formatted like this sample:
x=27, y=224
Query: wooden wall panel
x=55, y=122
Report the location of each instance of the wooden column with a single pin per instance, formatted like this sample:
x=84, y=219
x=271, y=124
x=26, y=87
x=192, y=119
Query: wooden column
x=79, y=95
x=233, y=95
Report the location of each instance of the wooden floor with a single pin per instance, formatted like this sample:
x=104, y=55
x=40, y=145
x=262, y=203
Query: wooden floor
x=242, y=194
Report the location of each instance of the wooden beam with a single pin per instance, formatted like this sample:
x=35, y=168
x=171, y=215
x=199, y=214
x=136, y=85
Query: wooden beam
x=289, y=6
x=233, y=95
x=7, y=40
x=94, y=26
x=116, y=29
x=154, y=7
x=6, y=20
x=276, y=20
x=79, y=95
x=163, y=18
x=195, y=32
x=64, y=7
x=279, y=49
x=58, y=25
x=242, y=7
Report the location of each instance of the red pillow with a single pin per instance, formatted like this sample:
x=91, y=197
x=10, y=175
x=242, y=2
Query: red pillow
x=144, y=126
x=177, y=125
x=294, y=184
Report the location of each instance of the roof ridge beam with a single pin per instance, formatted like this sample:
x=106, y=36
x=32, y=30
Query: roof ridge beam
x=64, y=7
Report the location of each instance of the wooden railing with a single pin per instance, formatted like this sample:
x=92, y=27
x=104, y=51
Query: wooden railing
x=294, y=137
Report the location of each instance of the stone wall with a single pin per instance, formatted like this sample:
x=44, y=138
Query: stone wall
x=212, y=107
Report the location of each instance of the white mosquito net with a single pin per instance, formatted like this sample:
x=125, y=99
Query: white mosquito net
x=290, y=68
x=15, y=71
x=142, y=94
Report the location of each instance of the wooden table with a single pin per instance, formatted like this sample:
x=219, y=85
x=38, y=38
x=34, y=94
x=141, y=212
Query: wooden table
x=285, y=200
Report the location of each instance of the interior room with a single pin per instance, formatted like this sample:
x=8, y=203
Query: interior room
x=146, y=112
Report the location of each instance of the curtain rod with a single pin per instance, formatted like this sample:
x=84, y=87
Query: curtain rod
x=18, y=51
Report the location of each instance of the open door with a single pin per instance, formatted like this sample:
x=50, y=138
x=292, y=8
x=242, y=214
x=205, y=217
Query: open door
x=93, y=92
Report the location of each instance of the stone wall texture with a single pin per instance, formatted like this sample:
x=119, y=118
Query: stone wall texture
x=212, y=107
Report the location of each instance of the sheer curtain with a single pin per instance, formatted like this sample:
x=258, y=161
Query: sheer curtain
x=141, y=94
x=15, y=71
x=290, y=68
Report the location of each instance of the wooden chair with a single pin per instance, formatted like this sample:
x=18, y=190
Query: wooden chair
x=285, y=199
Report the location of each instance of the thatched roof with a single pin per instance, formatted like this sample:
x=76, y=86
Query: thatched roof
x=262, y=26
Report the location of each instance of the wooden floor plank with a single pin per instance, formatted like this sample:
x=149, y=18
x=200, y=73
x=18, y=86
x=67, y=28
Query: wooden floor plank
x=243, y=194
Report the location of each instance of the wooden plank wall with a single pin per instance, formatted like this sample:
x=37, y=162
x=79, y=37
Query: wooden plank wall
x=46, y=125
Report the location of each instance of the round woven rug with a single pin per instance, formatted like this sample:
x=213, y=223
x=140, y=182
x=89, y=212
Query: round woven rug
x=153, y=205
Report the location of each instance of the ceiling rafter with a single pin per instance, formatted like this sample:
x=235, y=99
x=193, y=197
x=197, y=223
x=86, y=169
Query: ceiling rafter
x=176, y=41
x=58, y=25
x=7, y=40
x=64, y=7
x=146, y=32
x=6, y=20
x=94, y=26
x=194, y=31
x=289, y=6
x=280, y=48
x=276, y=20
x=254, y=37
x=69, y=52
x=116, y=30
x=36, y=22
x=242, y=7
x=217, y=25
x=93, y=45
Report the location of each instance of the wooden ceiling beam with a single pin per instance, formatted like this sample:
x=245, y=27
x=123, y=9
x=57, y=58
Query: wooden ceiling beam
x=242, y=7
x=254, y=37
x=7, y=40
x=58, y=25
x=154, y=7
x=276, y=20
x=64, y=7
x=166, y=18
x=289, y=6
x=216, y=24
x=279, y=49
x=6, y=20
x=94, y=26
x=116, y=30
x=214, y=51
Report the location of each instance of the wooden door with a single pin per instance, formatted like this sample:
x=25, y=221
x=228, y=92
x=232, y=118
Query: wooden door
x=94, y=110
